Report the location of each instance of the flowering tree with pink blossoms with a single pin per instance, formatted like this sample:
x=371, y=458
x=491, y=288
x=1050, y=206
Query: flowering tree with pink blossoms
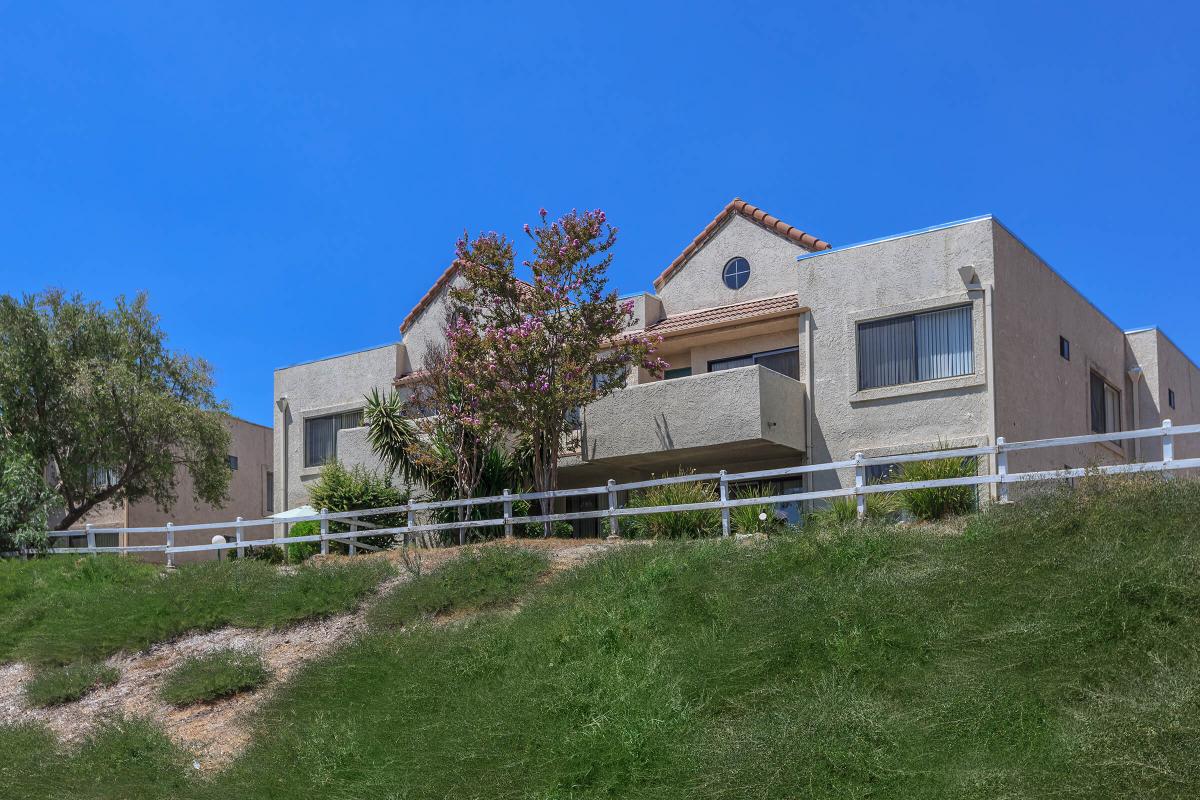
x=534, y=352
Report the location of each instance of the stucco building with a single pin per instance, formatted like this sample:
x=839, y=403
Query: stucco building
x=251, y=495
x=787, y=350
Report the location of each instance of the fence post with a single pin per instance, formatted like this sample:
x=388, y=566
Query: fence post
x=613, y=530
x=353, y=529
x=860, y=480
x=461, y=511
x=324, y=531
x=91, y=539
x=239, y=534
x=409, y=522
x=724, y=507
x=1168, y=448
x=1001, y=470
x=508, y=526
x=170, y=544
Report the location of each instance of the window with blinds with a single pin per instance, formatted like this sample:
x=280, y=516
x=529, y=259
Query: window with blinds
x=916, y=347
x=320, y=436
x=785, y=362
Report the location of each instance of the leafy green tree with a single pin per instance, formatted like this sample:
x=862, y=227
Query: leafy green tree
x=25, y=500
x=104, y=404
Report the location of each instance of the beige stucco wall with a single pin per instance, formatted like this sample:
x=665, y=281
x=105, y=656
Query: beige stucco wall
x=908, y=274
x=698, y=284
x=251, y=444
x=317, y=388
x=697, y=351
x=1039, y=394
x=428, y=329
x=748, y=412
x=247, y=498
x=1164, y=367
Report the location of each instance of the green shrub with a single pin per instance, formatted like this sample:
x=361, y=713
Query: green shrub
x=477, y=578
x=341, y=489
x=673, y=524
x=303, y=550
x=930, y=504
x=270, y=554
x=202, y=679
x=51, y=686
x=844, y=510
x=757, y=518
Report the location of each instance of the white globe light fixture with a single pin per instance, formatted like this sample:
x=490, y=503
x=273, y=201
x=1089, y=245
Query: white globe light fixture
x=218, y=539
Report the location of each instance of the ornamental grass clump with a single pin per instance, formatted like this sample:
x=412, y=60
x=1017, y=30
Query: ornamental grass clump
x=223, y=673
x=52, y=686
x=942, y=501
x=756, y=518
x=697, y=524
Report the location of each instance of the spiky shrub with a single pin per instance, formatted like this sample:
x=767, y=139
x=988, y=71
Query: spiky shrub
x=53, y=686
x=756, y=518
x=210, y=677
x=939, y=502
x=673, y=524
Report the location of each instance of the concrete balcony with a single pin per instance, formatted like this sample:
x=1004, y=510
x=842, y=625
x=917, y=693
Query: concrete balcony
x=749, y=414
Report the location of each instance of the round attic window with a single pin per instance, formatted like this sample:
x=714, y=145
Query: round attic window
x=736, y=272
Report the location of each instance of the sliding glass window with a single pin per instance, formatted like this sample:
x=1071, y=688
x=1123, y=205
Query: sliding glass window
x=916, y=347
x=320, y=436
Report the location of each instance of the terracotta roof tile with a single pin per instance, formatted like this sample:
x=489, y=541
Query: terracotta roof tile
x=429, y=297
x=752, y=213
x=438, y=285
x=750, y=311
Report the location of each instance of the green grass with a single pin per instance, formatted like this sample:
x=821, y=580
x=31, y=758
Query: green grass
x=202, y=679
x=63, y=609
x=478, y=578
x=51, y=686
x=1053, y=650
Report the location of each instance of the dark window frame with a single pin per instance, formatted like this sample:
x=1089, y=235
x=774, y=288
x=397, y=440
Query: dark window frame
x=1171, y=398
x=1098, y=405
x=755, y=357
x=736, y=271
x=915, y=355
x=340, y=420
x=1064, y=348
x=231, y=461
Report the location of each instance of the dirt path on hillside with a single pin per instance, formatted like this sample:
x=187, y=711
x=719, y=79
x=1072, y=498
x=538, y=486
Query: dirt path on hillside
x=216, y=732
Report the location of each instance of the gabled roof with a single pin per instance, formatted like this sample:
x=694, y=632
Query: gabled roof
x=755, y=215
x=429, y=297
x=722, y=316
x=427, y=300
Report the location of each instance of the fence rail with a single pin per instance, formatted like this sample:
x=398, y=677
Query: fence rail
x=1001, y=478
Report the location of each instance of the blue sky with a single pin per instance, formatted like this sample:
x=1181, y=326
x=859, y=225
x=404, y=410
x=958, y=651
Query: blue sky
x=286, y=179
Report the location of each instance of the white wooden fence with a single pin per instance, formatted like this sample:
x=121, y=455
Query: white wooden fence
x=359, y=528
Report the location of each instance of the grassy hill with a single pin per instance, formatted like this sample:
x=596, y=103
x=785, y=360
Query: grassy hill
x=1051, y=650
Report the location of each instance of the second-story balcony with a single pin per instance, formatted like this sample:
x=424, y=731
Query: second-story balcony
x=745, y=414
